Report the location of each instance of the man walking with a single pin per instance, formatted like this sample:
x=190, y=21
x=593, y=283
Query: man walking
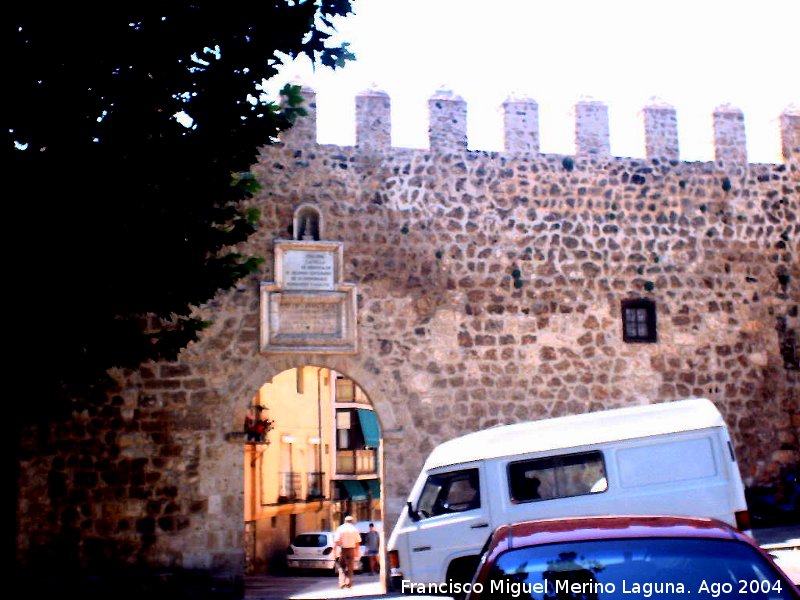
x=347, y=543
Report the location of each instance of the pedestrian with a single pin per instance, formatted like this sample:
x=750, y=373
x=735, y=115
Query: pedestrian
x=373, y=546
x=347, y=548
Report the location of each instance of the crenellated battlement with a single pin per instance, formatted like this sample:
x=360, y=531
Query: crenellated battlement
x=447, y=130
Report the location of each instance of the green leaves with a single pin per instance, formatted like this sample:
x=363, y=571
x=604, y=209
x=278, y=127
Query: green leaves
x=136, y=213
x=246, y=182
x=291, y=95
x=336, y=57
x=291, y=103
x=253, y=215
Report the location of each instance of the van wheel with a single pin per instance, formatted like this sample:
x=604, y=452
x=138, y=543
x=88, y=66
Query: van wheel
x=461, y=570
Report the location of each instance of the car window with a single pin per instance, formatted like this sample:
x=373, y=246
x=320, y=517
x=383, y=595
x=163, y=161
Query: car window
x=666, y=568
x=311, y=540
x=557, y=477
x=456, y=491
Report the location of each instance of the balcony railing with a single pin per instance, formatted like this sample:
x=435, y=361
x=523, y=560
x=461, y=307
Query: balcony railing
x=314, y=488
x=289, y=490
x=356, y=462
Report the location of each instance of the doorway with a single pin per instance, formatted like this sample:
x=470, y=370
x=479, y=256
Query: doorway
x=320, y=459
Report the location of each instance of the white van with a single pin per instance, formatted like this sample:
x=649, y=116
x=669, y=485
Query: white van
x=673, y=458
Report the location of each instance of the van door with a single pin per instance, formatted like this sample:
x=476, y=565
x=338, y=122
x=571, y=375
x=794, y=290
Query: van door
x=453, y=521
x=680, y=474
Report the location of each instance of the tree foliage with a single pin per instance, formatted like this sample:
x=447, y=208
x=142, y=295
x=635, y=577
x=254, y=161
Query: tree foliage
x=129, y=135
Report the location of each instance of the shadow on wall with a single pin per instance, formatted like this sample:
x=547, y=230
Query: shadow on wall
x=776, y=504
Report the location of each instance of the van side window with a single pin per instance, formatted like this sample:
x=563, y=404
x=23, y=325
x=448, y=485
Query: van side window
x=456, y=491
x=557, y=477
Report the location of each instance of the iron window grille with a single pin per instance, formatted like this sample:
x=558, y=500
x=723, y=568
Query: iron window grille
x=639, y=321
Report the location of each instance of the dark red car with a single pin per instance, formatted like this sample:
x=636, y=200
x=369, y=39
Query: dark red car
x=626, y=558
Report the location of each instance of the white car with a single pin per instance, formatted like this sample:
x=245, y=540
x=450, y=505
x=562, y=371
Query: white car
x=313, y=550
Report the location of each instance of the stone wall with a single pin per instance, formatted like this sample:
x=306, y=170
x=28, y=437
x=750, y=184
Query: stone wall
x=491, y=283
x=489, y=291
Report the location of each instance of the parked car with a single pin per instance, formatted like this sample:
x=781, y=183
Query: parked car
x=671, y=458
x=606, y=558
x=314, y=550
x=311, y=550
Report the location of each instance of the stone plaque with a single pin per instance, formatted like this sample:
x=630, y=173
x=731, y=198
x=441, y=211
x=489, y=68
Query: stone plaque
x=308, y=308
x=308, y=270
x=310, y=318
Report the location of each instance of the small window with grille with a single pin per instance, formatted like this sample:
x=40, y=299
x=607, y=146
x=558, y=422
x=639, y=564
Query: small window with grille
x=639, y=321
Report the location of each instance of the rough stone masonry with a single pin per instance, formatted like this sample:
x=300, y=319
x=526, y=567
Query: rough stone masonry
x=490, y=290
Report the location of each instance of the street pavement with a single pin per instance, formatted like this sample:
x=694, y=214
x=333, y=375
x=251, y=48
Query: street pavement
x=782, y=542
x=277, y=587
x=785, y=534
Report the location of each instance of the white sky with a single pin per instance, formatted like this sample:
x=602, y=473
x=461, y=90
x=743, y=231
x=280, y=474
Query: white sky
x=693, y=54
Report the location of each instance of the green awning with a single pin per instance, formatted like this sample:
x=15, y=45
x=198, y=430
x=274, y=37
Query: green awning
x=354, y=489
x=374, y=487
x=370, y=428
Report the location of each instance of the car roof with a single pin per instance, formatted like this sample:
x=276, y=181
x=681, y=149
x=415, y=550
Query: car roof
x=573, y=431
x=621, y=527
x=549, y=531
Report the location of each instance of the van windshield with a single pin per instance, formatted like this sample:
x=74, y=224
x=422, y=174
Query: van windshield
x=444, y=493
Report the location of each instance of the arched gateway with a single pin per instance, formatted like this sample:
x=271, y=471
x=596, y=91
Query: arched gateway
x=313, y=455
x=460, y=289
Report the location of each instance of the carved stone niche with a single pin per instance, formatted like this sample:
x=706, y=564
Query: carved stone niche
x=308, y=308
x=307, y=223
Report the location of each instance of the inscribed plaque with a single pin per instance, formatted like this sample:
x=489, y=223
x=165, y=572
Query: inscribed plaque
x=318, y=319
x=308, y=270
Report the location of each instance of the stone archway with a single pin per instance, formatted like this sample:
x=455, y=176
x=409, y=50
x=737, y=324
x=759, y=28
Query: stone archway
x=278, y=475
x=258, y=370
